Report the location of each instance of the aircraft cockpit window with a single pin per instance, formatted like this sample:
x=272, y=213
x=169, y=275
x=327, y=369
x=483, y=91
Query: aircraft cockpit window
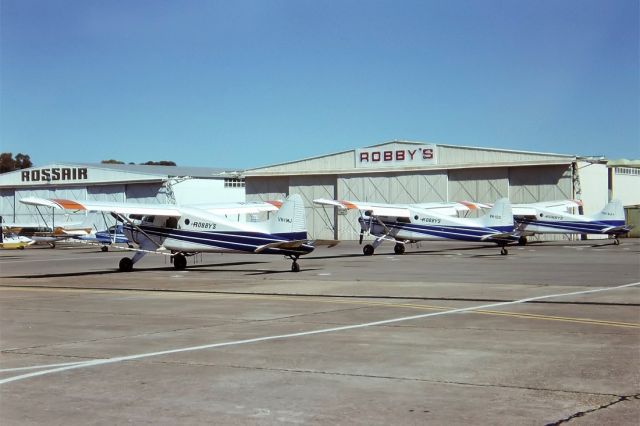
x=171, y=222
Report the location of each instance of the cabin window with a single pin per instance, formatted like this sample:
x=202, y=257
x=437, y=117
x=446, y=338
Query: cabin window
x=171, y=223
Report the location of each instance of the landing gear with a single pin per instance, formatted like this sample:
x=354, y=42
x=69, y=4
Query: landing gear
x=294, y=266
x=104, y=248
x=399, y=248
x=522, y=241
x=368, y=250
x=179, y=261
x=126, y=264
x=130, y=245
x=616, y=240
x=52, y=245
x=504, y=251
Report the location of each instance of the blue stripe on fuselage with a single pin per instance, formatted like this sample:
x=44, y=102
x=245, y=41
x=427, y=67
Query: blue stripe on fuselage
x=463, y=233
x=238, y=241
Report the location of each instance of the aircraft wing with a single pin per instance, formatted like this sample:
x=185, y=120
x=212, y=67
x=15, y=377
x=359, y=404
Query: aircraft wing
x=250, y=207
x=559, y=206
x=106, y=206
x=373, y=209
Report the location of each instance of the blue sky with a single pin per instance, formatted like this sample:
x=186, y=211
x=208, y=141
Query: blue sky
x=248, y=83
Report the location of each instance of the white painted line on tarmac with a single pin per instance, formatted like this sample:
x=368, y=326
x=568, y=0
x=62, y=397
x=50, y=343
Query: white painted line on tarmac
x=36, y=367
x=300, y=334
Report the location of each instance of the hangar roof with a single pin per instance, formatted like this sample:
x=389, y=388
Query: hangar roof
x=397, y=156
x=96, y=174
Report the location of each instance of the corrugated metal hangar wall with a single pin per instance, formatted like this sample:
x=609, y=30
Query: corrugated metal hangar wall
x=455, y=174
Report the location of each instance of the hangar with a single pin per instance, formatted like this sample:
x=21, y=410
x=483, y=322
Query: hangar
x=112, y=182
x=411, y=172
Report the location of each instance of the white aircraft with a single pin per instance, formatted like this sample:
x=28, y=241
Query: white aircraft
x=49, y=234
x=555, y=217
x=190, y=229
x=408, y=223
x=10, y=240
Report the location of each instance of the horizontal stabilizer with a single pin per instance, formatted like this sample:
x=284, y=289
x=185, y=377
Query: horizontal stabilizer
x=507, y=236
x=294, y=244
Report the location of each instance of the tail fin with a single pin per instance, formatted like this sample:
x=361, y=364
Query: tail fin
x=614, y=210
x=291, y=217
x=499, y=215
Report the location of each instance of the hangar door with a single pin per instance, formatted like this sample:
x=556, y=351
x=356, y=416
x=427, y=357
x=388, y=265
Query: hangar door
x=481, y=185
x=266, y=188
x=320, y=219
x=540, y=183
x=146, y=193
x=387, y=188
x=7, y=207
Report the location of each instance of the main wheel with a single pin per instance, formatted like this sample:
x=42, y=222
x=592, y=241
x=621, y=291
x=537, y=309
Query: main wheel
x=104, y=248
x=126, y=264
x=295, y=267
x=503, y=251
x=522, y=241
x=368, y=250
x=179, y=262
x=399, y=248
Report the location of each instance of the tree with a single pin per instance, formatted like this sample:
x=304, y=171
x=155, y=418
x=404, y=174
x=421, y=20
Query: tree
x=159, y=163
x=9, y=164
x=112, y=162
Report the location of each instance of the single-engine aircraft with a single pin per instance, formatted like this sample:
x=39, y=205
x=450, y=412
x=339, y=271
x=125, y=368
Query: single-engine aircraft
x=409, y=223
x=9, y=241
x=110, y=236
x=555, y=217
x=186, y=230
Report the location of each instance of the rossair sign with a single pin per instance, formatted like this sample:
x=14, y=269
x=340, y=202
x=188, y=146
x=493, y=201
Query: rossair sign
x=54, y=174
x=396, y=156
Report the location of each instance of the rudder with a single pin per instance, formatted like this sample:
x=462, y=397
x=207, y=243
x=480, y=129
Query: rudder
x=291, y=217
x=500, y=215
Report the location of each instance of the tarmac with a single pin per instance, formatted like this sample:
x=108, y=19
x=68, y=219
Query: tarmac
x=448, y=333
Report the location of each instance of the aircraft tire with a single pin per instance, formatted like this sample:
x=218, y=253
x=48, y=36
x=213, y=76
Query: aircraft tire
x=179, y=262
x=522, y=241
x=398, y=248
x=104, y=248
x=616, y=242
x=126, y=264
x=504, y=251
x=21, y=247
x=295, y=267
x=368, y=250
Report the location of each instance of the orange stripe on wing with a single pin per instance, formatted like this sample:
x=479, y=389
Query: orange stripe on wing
x=278, y=204
x=348, y=205
x=68, y=204
x=469, y=205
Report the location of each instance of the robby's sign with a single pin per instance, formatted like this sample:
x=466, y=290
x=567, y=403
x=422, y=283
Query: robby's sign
x=54, y=174
x=396, y=156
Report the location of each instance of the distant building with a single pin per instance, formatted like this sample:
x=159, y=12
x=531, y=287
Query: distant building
x=412, y=172
x=112, y=182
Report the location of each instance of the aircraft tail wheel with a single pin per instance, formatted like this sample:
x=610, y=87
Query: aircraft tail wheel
x=522, y=241
x=399, y=248
x=21, y=247
x=295, y=267
x=126, y=264
x=130, y=245
x=104, y=248
x=179, y=262
x=368, y=250
x=503, y=251
x=616, y=242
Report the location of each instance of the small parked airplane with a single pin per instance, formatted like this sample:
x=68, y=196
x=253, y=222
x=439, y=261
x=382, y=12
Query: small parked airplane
x=10, y=240
x=186, y=230
x=408, y=223
x=555, y=217
x=112, y=235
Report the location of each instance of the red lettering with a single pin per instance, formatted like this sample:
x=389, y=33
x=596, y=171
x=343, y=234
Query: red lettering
x=388, y=156
x=364, y=156
x=375, y=156
x=411, y=153
x=400, y=155
x=427, y=154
